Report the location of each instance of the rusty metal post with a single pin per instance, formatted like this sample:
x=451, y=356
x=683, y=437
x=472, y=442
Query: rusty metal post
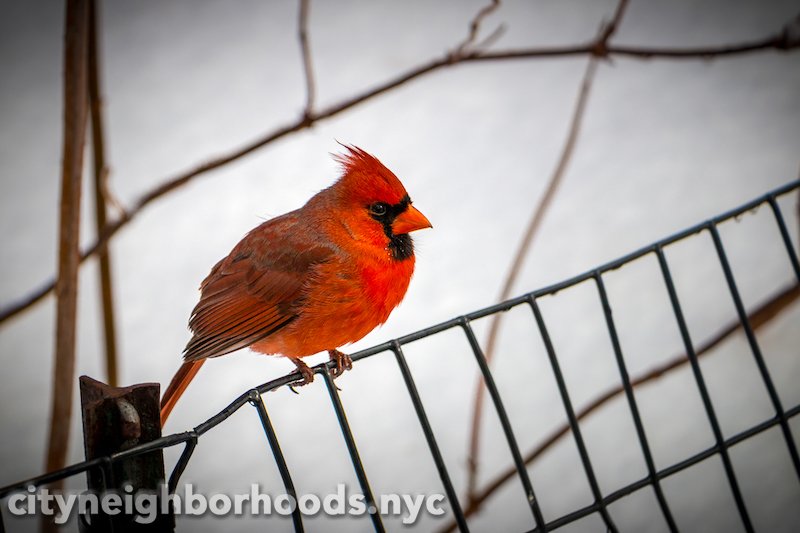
x=116, y=419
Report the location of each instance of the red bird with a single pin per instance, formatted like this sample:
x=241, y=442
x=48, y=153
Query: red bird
x=311, y=280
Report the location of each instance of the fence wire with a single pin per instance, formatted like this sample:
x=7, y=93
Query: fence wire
x=601, y=502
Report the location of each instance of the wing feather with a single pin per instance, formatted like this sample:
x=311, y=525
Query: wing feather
x=256, y=290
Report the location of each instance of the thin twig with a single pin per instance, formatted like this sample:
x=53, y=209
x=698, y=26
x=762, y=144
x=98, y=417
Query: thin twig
x=608, y=29
x=539, y=212
x=781, y=41
x=76, y=40
x=109, y=198
x=475, y=26
x=308, y=68
x=758, y=318
x=778, y=42
x=100, y=197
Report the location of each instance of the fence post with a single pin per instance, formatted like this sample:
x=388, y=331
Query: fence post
x=116, y=419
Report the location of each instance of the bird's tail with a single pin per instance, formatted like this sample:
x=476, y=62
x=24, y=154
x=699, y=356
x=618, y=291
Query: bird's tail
x=179, y=382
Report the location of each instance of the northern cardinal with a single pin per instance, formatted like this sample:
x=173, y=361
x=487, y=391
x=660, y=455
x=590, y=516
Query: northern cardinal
x=311, y=280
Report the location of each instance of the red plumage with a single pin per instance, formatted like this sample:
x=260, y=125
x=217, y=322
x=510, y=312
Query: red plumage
x=311, y=280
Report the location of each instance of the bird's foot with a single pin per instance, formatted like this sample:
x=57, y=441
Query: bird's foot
x=342, y=360
x=305, y=371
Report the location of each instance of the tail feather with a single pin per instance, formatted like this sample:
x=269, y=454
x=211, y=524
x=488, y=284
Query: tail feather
x=179, y=382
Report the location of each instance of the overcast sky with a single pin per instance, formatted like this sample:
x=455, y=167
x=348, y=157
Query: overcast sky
x=664, y=145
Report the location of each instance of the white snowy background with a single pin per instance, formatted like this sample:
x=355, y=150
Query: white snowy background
x=665, y=144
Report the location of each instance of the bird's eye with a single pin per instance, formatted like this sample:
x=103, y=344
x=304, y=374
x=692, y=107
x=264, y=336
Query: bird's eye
x=378, y=209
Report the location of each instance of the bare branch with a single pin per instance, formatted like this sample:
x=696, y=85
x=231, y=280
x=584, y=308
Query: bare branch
x=109, y=197
x=607, y=29
x=491, y=38
x=539, y=212
x=782, y=41
x=308, y=68
x=758, y=318
x=26, y=302
x=475, y=26
x=101, y=196
x=74, y=135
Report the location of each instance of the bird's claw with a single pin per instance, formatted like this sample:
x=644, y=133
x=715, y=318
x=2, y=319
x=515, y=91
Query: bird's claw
x=305, y=371
x=343, y=363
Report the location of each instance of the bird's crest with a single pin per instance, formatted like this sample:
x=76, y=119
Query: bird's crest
x=364, y=176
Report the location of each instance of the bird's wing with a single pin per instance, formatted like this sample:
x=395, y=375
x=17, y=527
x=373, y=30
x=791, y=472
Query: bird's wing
x=255, y=290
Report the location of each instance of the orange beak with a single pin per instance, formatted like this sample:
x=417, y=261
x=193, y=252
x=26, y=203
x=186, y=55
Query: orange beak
x=410, y=220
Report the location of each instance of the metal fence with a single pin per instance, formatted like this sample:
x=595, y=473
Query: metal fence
x=601, y=502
